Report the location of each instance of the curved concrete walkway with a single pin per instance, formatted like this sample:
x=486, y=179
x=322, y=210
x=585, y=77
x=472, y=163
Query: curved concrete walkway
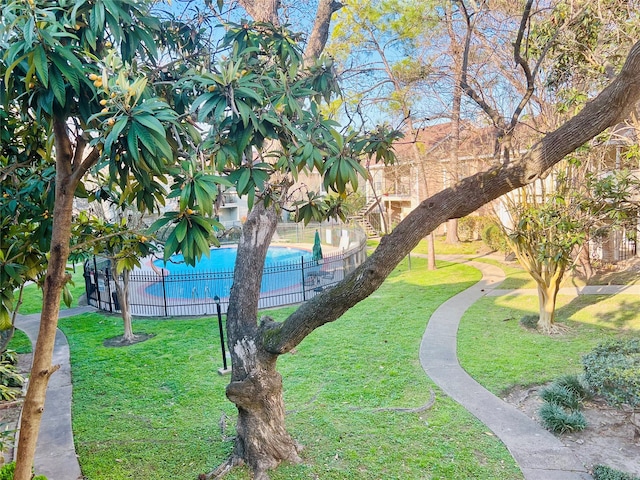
x=540, y=455
x=55, y=452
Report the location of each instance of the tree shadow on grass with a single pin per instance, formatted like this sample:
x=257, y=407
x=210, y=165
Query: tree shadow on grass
x=620, y=318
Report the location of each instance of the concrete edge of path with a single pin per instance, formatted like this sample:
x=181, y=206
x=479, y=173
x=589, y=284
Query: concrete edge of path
x=55, y=451
x=540, y=455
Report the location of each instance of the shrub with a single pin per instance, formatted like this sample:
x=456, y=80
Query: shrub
x=602, y=472
x=471, y=226
x=493, y=237
x=9, y=376
x=612, y=370
x=558, y=420
x=560, y=395
x=9, y=356
x=575, y=384
x=7, y=471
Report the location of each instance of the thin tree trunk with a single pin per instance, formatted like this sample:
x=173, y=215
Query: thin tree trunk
x=383, y=218
x=122, y=293
x=584, y=260
x=547, y=296
x=452, y=232
x=457, y=51
x=55, y=278
x=431, y=251
x=431, y=255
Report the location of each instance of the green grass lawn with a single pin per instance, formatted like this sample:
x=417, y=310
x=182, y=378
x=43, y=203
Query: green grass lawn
x=517, y=277
x=20, y=343
x=443, y=248
x=32, y=294
x=500, y=354
x=154, y=410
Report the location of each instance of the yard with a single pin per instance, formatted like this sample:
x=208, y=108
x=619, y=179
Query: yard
x=157, y=409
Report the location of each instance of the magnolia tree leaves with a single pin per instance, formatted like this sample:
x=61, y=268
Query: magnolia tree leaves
x=263, y=105
x=165, y=120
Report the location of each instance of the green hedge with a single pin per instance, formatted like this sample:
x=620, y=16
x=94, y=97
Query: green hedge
x=602, y=472
x=612, y=370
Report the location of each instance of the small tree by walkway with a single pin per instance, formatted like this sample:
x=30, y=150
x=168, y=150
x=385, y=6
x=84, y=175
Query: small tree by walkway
x=548, y=234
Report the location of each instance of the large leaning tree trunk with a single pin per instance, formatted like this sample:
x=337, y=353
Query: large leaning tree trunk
x=70, y=168
x=262, y=441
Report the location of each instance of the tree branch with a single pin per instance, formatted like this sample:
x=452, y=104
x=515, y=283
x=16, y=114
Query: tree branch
x=493, y=114
x=517, y=55
x=88, y=162
x=263, y=10
x=611, y=106
x=320, y=33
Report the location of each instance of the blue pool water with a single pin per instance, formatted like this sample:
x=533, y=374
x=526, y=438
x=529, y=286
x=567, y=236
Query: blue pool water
x=214, y=275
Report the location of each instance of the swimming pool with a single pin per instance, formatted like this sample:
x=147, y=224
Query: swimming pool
x=213, y=276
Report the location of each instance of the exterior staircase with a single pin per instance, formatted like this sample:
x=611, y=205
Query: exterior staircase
x=361, y=219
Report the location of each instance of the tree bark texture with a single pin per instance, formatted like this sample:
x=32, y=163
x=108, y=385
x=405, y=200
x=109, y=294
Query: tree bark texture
x=262, y=10
x=262, y=439
x=547, y=296
x=42, y=369
x=267, y=11
x=320, y=33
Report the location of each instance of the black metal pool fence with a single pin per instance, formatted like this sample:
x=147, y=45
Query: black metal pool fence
x=155, y=292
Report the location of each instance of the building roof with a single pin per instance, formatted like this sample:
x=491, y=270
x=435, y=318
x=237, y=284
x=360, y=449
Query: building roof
x=434, y=142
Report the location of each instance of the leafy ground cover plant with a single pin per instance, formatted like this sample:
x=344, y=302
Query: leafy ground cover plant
x=560, y=420
x=561, y=411
x=602, y=472
x=6, y=472
x=560, y=395
x=612, y=370
x=10, y=380
x=575, y=384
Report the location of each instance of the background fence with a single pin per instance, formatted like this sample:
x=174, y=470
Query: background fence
x=156, y=292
